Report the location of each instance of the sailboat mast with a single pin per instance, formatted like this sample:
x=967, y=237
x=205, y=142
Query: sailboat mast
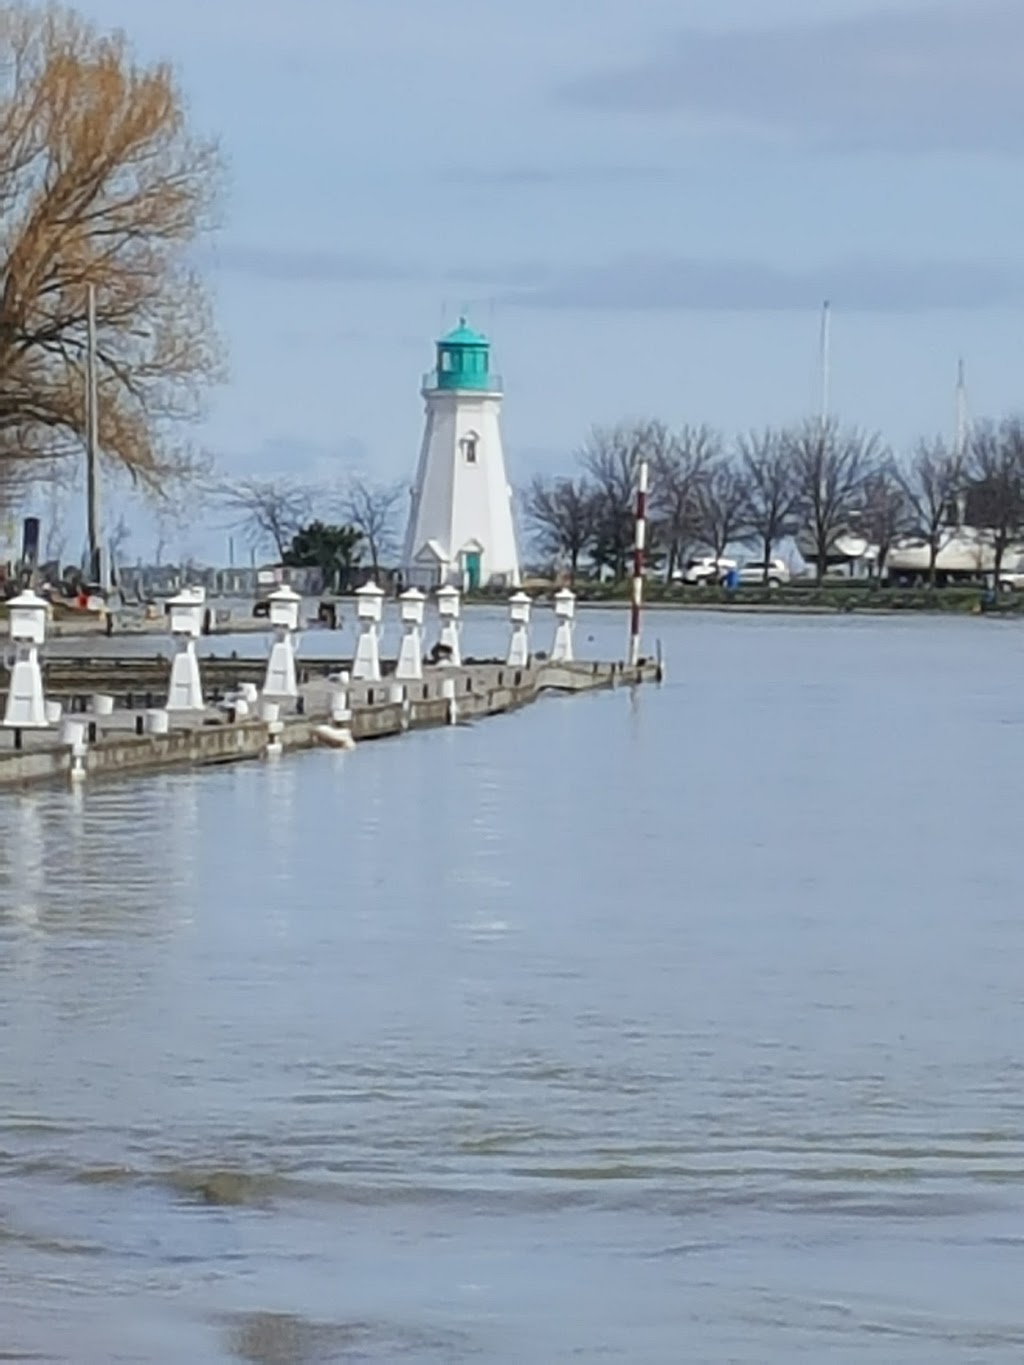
x=826, y=398
x=826, y=363
x=961, y=412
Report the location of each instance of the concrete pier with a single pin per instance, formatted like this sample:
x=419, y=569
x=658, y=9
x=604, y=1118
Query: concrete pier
x=122, y=741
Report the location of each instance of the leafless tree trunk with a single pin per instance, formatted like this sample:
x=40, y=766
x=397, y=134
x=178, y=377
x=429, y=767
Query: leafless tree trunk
x=723, y=502
x=372, y=510
x=830, y=467
x=933, y=483
x=611, y=457
x=55, y=509
x=101, y=184
x=118, y=538
x=886, y=512
x=996, y=486
x=681, y=463
x=268, y=512
x=562, y=513
x=773, y=497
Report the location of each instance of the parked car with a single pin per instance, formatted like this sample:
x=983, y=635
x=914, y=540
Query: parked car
x=753, y=573
x=1011, y=575
x=705, y=569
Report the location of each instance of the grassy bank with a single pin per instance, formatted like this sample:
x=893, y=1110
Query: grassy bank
x=833, y=596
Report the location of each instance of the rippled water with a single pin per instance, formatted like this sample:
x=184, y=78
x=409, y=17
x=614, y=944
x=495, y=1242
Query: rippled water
x=683, y=1024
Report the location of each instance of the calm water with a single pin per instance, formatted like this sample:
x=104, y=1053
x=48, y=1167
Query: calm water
x=682, y=1025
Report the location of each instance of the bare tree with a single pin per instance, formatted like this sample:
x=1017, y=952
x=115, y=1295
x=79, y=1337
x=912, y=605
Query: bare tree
x=173, y=517
x=101, y=184
x=885, y=512
x=830, y=466
x=773, y=495
x=723, y=506
x=268, y=512
x=611, y=457
x=55, y=492
x=562, y=514
x=681, y=463
x=933, y=484
x=995, y=495
x=372, y=510
x=117, y=538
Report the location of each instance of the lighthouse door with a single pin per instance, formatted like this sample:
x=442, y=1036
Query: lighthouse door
x=471, y=569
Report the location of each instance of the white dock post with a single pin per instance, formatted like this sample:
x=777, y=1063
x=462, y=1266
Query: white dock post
x=73, y=734
x=519, y=645
x=369, y=610
x=280, y=684
x=341, y=711
x=26, y=703
x=448, y=693
x=186, y=613
x=565, y=613
x=340, y=728
x=449, y=604
x=410, y=655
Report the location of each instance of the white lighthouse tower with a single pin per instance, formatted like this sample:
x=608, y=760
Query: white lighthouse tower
x=460, y=528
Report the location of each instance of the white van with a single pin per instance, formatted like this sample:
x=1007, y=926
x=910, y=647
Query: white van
x=753, y=573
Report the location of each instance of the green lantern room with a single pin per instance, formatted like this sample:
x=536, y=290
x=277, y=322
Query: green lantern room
x=464, y=360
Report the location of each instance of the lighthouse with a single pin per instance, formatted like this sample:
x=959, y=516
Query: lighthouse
x=460, y=529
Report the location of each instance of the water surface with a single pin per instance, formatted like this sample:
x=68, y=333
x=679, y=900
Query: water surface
x=675, y=1024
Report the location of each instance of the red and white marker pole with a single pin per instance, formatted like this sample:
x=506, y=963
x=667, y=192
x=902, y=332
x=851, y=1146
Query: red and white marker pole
x=639, y=546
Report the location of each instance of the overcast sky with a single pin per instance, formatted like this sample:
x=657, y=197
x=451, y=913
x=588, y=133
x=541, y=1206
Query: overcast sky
x=644, y=203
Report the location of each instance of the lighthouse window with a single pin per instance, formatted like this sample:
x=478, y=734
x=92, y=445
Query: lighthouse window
x=468, y=444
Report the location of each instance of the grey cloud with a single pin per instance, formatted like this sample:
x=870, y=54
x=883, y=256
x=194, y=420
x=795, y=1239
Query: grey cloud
x=880, y=286
x=510, y=275
x=942, y=78
x=306, y=266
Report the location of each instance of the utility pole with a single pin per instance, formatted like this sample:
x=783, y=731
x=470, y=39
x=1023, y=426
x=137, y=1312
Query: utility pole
x=96, y=557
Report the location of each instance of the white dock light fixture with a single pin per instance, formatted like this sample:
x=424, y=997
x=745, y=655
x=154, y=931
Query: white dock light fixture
x=281, y=684
x=26, y=703
x=565, y=614
x=186, y=616
x=369, y=611
x=410, y=655
x=449, y=605
x=519, y=616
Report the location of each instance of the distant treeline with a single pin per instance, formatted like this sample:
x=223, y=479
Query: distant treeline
x=816, y=481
